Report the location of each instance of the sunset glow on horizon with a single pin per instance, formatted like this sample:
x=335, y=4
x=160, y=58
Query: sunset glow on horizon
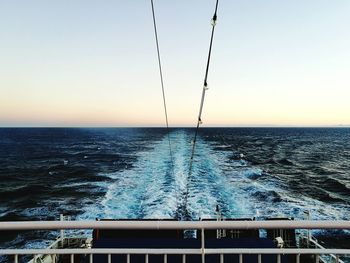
x=87, y=63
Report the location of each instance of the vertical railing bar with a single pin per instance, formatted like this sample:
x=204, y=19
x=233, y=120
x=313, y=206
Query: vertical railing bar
x=165, y=258
x=16, y=259
x=91, y=258
x=109, y=258
x=203, y=245
x=240, y=258
x=278, y=258
x=62, y=231
x=297, y=258
x=337, y=258
x=71, y=258
x=183, y=258
x=259, y=258
x=146, y=258
x=317, y=258
x=221, y=258
x=35, y=258
x=53, y=258
x=128, y=258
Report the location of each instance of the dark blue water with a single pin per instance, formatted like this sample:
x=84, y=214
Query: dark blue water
x=126, y=173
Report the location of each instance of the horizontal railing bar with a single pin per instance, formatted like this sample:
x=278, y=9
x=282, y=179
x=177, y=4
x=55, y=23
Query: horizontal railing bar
x=290, y=251
x=99, y=251
x=175, y=251
x=275, y=224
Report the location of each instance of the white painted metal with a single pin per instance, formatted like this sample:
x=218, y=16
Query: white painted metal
x=276, y=224
x=175, y=251
x=312, y=241
x=202, y=225
x=308, y=216
x=240, y=258
x=202, y=245
x=279, y=258
x=62, y=231
x=289, y=251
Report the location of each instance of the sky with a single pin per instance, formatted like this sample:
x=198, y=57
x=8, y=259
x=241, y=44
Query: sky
x=94, y=63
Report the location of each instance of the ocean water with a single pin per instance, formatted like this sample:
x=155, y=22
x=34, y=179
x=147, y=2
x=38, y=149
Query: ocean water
x=127, y=173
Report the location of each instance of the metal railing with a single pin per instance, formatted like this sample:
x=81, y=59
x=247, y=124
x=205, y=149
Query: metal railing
x=158, y=225
x=184, y=252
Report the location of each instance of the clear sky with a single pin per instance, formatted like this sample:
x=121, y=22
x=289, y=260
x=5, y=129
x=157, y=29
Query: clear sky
x=93, y=63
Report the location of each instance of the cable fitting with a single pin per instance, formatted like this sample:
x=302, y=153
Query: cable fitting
x=213, y=21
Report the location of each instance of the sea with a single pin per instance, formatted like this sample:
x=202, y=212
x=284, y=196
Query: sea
x=128, y=173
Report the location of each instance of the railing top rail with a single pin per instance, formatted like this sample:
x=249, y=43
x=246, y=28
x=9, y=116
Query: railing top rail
x=175, y=251
x=133, y=224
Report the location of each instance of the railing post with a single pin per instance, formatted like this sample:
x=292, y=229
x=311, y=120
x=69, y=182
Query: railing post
x=221, y=258
x=337, y=258
x=91, y=258
x=71, y=258
x=128, y=258
x=183, y=258
x=165, y=258
x=307, y=213
x=203, y=245
x=109, y=258
x=297, y=258
x=240, y=258
x=317, y=258
x=16, y=259
x=146, y=258
x=278, y=258
x=259, y=258
x=62, y=231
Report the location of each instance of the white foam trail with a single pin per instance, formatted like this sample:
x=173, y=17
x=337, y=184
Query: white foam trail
x=150, y=190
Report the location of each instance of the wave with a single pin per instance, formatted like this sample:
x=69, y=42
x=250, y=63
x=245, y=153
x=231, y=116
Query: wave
x=110, y=176
x=284, y=161
x=150, y=190
x=336, y=186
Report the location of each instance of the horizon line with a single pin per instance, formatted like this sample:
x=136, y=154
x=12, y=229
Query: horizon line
x=180, y=126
